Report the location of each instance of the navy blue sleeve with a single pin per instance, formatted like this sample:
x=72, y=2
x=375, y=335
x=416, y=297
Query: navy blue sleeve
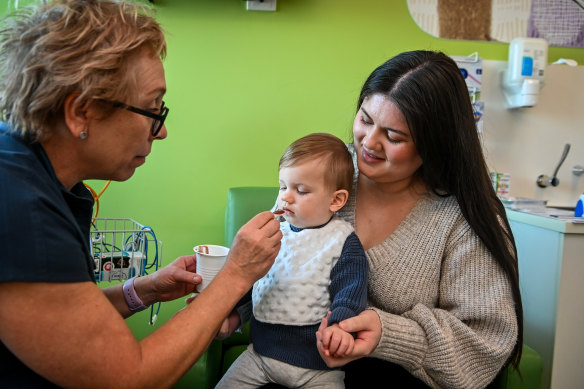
x=348, y=286
x=244, y=307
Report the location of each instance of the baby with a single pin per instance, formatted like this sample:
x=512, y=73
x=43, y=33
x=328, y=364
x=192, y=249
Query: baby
x=321, y=267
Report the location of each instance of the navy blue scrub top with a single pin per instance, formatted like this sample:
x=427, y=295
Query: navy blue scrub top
x=44, y=232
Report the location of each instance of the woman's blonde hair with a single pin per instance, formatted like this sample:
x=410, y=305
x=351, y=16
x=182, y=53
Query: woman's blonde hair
x=70, y=46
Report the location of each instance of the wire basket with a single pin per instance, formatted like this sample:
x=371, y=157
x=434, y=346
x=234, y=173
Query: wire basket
x=123, y=248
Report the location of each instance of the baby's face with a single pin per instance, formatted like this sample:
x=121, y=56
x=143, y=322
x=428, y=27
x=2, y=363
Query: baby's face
x=304, y=197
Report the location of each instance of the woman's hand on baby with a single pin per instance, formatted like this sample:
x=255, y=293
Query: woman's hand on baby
x=367, y=325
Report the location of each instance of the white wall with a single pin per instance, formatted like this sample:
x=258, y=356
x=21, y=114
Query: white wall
x=527, y=142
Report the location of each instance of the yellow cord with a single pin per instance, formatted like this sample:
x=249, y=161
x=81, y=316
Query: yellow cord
x=104, y=188
x=97, y=196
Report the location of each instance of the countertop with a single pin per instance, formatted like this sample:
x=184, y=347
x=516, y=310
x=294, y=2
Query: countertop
x=554, y=219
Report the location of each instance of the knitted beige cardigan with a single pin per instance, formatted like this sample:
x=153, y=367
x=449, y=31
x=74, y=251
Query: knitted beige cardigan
x=445, y=305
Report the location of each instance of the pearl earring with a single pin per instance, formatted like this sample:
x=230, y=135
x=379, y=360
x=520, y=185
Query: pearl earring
x=83, y=135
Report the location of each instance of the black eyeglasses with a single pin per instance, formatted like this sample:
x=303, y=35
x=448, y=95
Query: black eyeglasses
x=158, y=118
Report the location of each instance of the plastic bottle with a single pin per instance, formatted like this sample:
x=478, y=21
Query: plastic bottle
x=579, y=211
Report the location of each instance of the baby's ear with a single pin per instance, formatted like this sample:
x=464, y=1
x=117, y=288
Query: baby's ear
x=340, y=198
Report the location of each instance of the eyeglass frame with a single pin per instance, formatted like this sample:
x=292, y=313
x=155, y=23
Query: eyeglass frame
x=155, y=129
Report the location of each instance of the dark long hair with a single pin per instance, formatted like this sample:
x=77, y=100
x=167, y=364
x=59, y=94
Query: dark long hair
x=429, y=90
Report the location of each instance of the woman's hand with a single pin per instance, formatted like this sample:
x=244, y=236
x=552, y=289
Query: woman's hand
x=170, y=282
x=254, y=249
x=367, y=325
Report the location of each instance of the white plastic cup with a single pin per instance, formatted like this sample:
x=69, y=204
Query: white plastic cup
x=210, y=259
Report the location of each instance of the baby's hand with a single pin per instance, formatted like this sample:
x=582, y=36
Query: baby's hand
x=337, y=342
x=229, y=325
x=223, y=332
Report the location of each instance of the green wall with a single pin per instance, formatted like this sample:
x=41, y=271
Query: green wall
x=241, y=86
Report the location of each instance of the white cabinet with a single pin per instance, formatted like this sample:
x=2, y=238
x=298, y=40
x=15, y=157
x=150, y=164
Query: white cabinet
x=551, y=277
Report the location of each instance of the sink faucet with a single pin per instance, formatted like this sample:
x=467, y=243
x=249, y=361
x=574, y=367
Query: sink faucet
x=543, y=180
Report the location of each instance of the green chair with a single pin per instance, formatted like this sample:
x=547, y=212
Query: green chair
x=242, y=204
x=245, y=202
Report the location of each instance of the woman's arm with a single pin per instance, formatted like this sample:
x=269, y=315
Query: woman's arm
x=464, y=338
x=72, y=335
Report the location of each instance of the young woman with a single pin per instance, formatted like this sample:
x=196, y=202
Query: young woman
x=445, y=308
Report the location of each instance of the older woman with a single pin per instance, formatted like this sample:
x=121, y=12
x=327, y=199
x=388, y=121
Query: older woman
x=81, y=94
x=445, y=308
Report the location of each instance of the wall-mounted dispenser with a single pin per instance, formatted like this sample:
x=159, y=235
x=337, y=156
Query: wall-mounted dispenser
x=524, y=76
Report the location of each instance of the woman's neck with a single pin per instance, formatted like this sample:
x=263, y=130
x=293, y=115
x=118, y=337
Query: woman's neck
x=381, y=207
x=409, y=188
x=62, y=158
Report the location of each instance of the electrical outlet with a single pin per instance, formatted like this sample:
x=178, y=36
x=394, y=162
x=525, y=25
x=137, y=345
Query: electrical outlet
x=261, y=5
